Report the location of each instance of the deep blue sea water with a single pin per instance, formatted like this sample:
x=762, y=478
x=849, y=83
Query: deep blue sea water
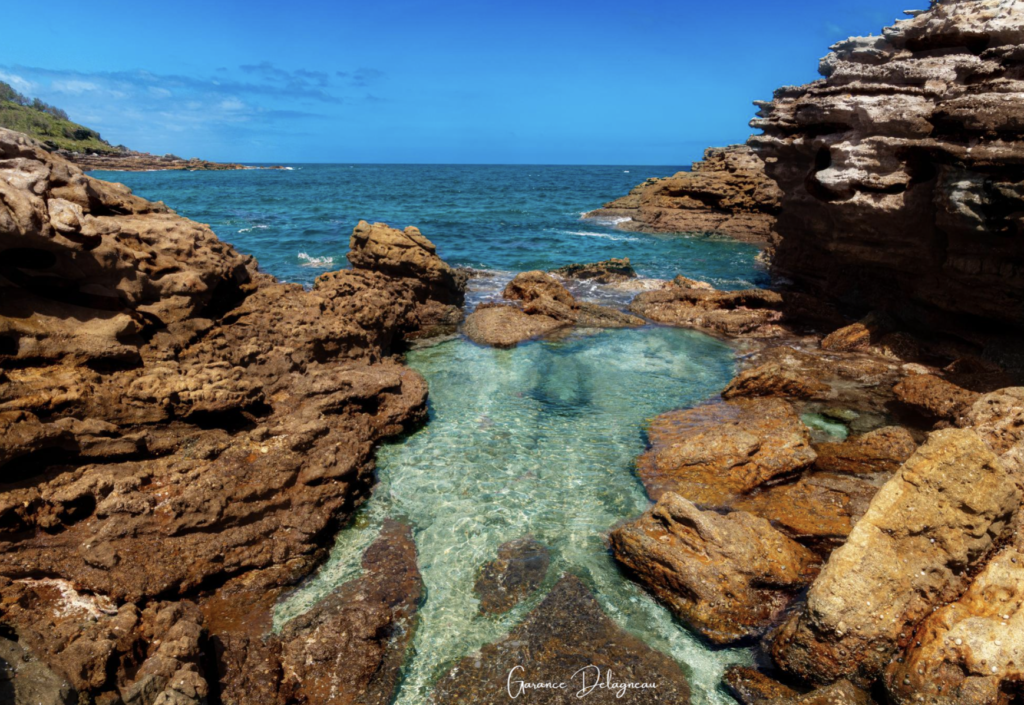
x=508, y=218
x=538, y=440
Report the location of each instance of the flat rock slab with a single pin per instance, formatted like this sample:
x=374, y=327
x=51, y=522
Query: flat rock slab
x=515, y=574
x=715, y=453
x=567, y=644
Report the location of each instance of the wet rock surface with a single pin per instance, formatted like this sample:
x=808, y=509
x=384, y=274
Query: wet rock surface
x=692, y=304
x=610, y=271
x=728, y=577
x=881, y=450
x=174, y=421
x=514, y=575
x=567, y=632
x=901, y=169
x=751, y=687
x=912, y=551
x=726, y=193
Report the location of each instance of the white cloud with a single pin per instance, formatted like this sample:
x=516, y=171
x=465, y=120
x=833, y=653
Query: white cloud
x=17, y=82
x=160, y=92
x=232, y=104
x=73, y=87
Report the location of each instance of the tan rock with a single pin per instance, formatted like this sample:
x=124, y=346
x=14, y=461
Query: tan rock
x=727, y=577
x=751, y=687
x=912, y=551
x=690, y=304
x=505, y=325
x=881, y=450
x=610, y=271
x=934, y=397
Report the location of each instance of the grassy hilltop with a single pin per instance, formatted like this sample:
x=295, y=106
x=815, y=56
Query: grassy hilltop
x=49, y=124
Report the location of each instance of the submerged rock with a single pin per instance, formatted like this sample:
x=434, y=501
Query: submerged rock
x=691, y=304
x=910, y=553
x=569, y=642
x=715, y=453
x=610, y=271
x=513, y=576
x=728, y=577
x=349, y=648
x=727, y=193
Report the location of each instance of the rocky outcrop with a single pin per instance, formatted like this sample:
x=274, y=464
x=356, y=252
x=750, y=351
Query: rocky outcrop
x=714, y=454
x=728, y=577
x=130, y=160
x=515, y=574
x=174, y=422
x=751, y=687
x=543, y=306
x=912, y=552
x=727, y=193
x=609, y=271
x=349, y=648
x=881, y=450
x=901, y=173
x=693, y=304
x=570, y=643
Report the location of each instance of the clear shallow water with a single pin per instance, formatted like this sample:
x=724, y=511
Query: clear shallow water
x=536, y=440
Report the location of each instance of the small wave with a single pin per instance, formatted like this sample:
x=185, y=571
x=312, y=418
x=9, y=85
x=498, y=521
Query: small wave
x=605, y=236
x=315, y=261
x=254, y=227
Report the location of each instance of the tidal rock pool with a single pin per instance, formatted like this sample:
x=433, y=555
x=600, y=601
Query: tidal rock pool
x=534, y=441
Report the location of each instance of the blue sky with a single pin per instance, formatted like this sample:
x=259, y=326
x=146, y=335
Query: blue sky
x=442, y=81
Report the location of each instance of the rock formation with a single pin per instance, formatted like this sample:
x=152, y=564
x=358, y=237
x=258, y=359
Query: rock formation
x=901, y=173
x=727, y=193
x=543, y=306
x=727, y=577
x=174, y=424
x=912, y=552
x=514, y=575
x=693, y=304
x=566, y=640
x=610, y=271
x=130, y=160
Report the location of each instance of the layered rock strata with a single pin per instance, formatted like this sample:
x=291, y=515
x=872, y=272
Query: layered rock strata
x=130, y=160
x=175, y=424
x=902, y=172
x=727, y=193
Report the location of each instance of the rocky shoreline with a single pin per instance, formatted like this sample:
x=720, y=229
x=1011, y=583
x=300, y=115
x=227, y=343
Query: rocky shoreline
x=183, y=435
x=130, y=160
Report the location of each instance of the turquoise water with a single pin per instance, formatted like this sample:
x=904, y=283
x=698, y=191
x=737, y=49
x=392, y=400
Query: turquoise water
x=536, y=440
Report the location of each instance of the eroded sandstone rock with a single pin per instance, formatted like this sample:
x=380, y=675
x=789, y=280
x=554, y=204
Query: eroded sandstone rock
x=728, y=577
x=751, y=687
x=725, y=193
x=692, y=304
x=610, y=271
x=934, y=397
x=715, y=453
x=881, y=450
x=912, y=551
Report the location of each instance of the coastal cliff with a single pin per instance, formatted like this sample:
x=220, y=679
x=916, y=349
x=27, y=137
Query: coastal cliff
x=181, y=436
x=901, y=172
x=727, y=193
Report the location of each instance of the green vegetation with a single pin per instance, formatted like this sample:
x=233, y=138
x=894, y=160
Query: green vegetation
x=49, y=124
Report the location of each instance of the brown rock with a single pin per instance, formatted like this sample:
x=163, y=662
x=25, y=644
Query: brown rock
x=934, y=397
x=130, y=160
x=609, y=271
x=715, y=453
x=998, y=417
x=514, y=575
x=751, y=687
x=776, y=380
x=531, y=286
x=505, y=325
x=727, y=193
x=882, y=450
x=691, y=304
x=899, y=169
x=967, y=653
x=912, y=551
x=590, y=315
x=566, y=633
x=728, y=577
x=851, y=338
